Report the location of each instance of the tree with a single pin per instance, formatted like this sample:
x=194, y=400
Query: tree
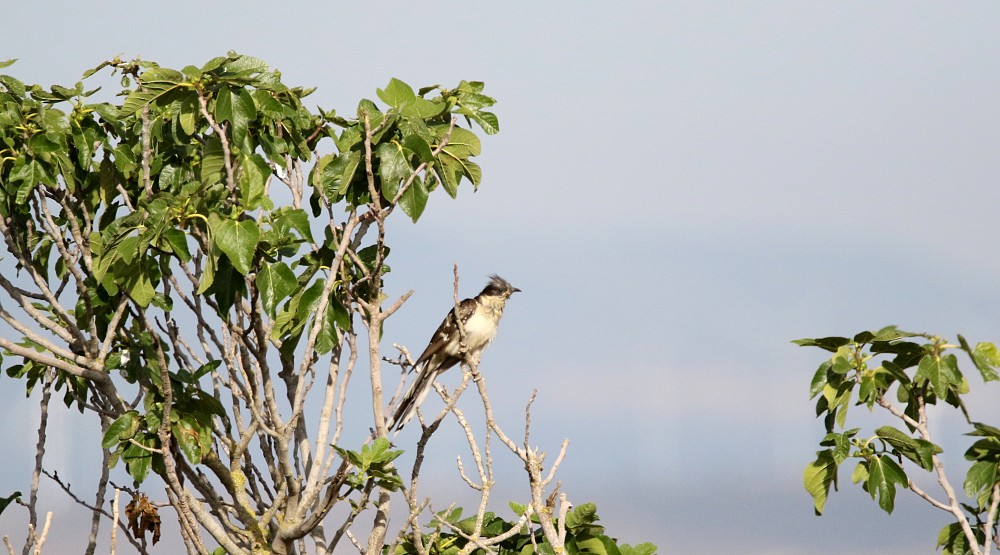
x=903, y=374
x=201, y=266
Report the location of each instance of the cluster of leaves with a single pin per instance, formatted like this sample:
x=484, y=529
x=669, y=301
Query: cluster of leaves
x=406, y=137
x=922, y=370
x=451, y=533
x=373, y=464
x=117, y=212
x=133, y=438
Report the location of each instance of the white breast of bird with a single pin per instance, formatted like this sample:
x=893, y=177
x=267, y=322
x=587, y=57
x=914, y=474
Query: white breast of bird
x=480, y=329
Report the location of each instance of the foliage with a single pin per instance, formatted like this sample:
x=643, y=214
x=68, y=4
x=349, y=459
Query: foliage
x=194, y=261
x=451, y=531
x=903, y=373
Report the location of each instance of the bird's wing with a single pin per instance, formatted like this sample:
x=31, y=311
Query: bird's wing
x=447, y=332
x=428, y=368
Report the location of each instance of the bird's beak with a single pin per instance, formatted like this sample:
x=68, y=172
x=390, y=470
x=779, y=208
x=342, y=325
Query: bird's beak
x=515, y=290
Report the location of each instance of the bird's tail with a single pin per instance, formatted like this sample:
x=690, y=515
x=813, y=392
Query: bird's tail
x=414, y=395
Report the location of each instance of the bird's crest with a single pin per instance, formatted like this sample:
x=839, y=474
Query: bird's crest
x=499, y=287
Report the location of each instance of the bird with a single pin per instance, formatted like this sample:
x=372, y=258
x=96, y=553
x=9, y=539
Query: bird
x=480, y=318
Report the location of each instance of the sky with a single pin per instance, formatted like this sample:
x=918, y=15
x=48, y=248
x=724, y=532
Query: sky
x=680, y=189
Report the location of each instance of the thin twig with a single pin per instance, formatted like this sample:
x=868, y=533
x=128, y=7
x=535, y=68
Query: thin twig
x=39, y=456
x=45, y=533
x=114, y=517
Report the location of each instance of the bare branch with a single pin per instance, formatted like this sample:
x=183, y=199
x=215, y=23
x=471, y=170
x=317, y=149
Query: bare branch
x=896, y=412
x=928, y=497
x=39, y=456
x=114, y=518
x=45, y=533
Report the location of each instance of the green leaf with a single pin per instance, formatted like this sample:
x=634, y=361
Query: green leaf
x=488, y=121
x=292, y=318
x=55, y=122
x=842, y=363
x=463, y=143
x=952, y=540
x=297, y=219
x=337, y=175
x=449, y=172
x=476, y=101
x=593, y=545
x=917, y=450
x=819, y=379
x=189, y=113
x=393, y=168
x=3, y=64
x=419, y=146
x=941, y=372
x=396, y=93
x=139, y=286
x=227, y=286
x=883, y=476
x=414, y=199
x=150, y=91
x=138, y=459
x=860, y=473
x=252, y=181
x=206, y=368
x=161, y=75
x=831, y=344
x=896, y=372
x=987, y=449
x=243, y=65
x=581, y=515
x=518, y=508
x=867, y=393
x=41, y=144
x=473, y=173
x=213, y=161
x=275, y=282
x=243, y=113
x=982, y=475
x=187, y=433
x=5, y=501
x=841, y=444
x=13, y=85
x=177, y=240
x=422, y=108
x=237, y=240
x=381, y=452
x=29, y=172
x=819, y=476
x=336, y=317
x=985, y=430
x=224, y=105
x=986, y=357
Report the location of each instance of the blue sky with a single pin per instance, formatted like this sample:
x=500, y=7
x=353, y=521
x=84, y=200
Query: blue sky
x=680, y=189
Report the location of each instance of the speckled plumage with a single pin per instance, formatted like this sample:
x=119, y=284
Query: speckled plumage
x=480, y=318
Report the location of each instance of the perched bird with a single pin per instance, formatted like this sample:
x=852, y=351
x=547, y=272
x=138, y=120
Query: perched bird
x=480, y=317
